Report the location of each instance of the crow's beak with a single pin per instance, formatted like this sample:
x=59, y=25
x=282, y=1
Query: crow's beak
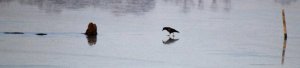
x=162, y=30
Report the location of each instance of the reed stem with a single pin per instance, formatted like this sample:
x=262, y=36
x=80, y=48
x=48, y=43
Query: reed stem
x=285, y=37
x=284, y=25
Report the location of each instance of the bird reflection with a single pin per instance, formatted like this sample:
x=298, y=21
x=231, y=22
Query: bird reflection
x=92, y=39
x=170, y=40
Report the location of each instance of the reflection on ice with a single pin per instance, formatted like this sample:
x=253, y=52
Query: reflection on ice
x=92, y=39
x=118, y=7
x=170, y=40
x=285, y=2
x=121, y=7
x=200, y=4
x=213, y=5
x=227, y=6
x=283, y=52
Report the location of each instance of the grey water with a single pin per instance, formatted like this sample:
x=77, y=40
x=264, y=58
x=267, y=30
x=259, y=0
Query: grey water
x=213, y=34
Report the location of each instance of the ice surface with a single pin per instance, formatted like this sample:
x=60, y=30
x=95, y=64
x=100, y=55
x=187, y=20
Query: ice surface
x=213, y=34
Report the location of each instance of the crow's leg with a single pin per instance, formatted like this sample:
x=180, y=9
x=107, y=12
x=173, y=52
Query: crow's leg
x=173, y=35
x=169, y=34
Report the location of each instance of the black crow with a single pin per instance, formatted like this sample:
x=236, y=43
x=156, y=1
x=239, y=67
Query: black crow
x=170, y=30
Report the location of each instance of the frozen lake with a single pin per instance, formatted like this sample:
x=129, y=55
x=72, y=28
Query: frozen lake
x=213, y=34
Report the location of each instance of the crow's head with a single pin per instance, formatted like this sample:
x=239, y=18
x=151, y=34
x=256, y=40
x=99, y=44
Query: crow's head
x=166, y=28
